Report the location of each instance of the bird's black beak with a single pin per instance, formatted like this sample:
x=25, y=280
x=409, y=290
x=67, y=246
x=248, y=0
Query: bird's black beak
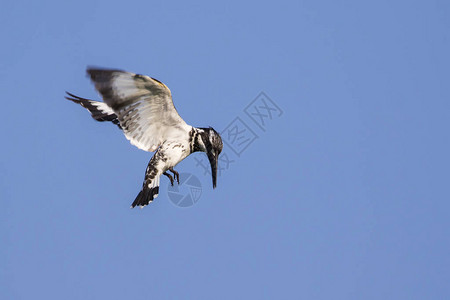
x=213, y=158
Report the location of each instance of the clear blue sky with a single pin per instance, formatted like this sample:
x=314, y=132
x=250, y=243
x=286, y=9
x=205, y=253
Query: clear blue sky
x=343, y=196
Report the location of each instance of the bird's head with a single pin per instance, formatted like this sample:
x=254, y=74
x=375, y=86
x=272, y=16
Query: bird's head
x=212, y=146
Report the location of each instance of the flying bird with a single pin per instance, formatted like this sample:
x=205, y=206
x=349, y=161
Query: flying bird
x=143, y=109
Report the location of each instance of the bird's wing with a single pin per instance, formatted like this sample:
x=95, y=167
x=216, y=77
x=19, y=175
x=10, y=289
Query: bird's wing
x=99, y=110
x=142, y=104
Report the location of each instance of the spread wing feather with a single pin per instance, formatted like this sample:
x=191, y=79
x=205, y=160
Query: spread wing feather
x=99, y=110
x=143, y=106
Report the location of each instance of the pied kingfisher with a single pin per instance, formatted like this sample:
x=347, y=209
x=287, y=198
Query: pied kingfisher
x=142, y=107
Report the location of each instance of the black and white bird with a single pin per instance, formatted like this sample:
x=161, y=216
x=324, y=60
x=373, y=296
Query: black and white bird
x=142, y=107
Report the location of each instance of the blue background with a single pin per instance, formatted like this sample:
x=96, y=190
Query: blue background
x=344, y=196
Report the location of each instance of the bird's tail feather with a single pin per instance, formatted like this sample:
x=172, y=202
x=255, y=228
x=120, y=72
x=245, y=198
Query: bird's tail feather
x=147, y=194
